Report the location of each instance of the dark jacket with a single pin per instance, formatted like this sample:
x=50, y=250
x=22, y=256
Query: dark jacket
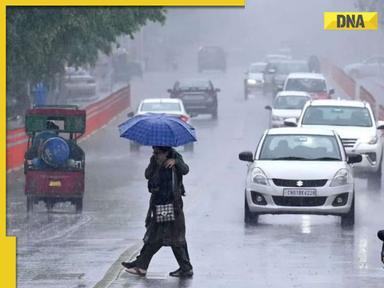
x=160, y=187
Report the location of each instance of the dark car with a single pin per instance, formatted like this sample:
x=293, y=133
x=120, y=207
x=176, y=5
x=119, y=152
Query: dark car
x=211, y=58
x=284, y=68
x=198, y=95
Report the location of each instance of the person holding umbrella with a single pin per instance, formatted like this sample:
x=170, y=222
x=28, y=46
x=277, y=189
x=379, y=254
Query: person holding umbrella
x=165, y=220
x=380, y=234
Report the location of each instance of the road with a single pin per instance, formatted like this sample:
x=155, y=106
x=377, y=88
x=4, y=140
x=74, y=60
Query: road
x=64, y=249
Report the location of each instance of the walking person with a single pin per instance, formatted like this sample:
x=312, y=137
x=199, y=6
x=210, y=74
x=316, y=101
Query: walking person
x=165, y=221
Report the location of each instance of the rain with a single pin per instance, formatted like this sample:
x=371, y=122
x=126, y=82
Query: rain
x=197, y=66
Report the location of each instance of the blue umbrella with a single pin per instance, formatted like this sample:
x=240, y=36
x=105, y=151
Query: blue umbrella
x=157, y=130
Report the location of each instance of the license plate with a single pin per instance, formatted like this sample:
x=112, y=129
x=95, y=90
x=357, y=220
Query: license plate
x=54, y=183
x=194, y=97
x=300, y=192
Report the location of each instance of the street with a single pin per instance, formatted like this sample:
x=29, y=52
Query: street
x=64, y=249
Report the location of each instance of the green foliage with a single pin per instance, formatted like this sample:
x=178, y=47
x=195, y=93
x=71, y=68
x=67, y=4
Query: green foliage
x=42, y=40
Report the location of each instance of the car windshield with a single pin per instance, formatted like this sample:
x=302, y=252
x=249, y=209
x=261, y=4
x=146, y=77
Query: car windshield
x=337, y=116
x=257, y=68
x=300, y=147
x=291, y=67
x=159, y=107
x=272, y=57
x=306, y=84
x=290, y=102
x=195, y=83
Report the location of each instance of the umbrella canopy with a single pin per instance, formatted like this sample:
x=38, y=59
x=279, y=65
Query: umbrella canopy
x=157, y=130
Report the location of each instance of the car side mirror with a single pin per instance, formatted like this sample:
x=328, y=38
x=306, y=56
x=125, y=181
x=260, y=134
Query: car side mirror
x=380, y=125
x=331, y=91
x=354, y=158
x=290, y=122
x=246, y=156
x=268, y=108
x=130, y=114
x=380, y=234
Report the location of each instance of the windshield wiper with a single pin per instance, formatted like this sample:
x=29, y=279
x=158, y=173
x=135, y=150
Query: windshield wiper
x=290, y=158
x=325, y=159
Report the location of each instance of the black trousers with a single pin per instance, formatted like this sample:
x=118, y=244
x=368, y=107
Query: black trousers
x=148, y=250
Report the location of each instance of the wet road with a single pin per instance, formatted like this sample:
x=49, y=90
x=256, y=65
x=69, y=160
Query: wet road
x=63, y=249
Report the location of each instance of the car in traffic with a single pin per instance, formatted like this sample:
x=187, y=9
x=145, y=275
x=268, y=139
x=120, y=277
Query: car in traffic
x=276, y=57
x=284, y=68
x=79, y=86
x=270, y=70
x=198, y=95
x=211, y=58
x=299, y=171
x=172, y=107
x=287, y=104
x=313, y=83
x=372, y=66
x=254, y=78
x=354, y=121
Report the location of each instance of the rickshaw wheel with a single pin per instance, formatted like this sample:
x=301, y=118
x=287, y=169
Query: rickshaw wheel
x=29, y=204
x=79, y=205
x=49, y=204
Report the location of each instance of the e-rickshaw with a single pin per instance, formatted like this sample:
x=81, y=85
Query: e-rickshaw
x=54, y=163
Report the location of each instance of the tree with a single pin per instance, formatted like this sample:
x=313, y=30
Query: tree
x=372, y=6
x=42, y=40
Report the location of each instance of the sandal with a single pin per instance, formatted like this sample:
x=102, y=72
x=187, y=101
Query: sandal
x=136, y=271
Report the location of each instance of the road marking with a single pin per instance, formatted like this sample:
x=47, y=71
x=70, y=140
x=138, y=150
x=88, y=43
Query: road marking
x=116, y=268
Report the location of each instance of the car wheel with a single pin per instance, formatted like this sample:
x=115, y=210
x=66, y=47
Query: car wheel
x=245, y=93
x=188, y=147
x=214, y=114
x=249, y=217
x=348, y=219
x=374, y=179
x=134, y=147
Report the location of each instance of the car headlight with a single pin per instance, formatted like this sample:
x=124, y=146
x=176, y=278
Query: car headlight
x=370, y=140
x=342, y=177
x=277, y=118
x=251, y=81
x=259, y=177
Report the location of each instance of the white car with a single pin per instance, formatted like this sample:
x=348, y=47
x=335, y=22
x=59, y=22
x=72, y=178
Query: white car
x=276, y=57
x=373, y=66
x=79, y=86
x=313, y=83
x=287, y=104
x=169, y=106
x=355, y=123
x=254, y=78
x=299, y=171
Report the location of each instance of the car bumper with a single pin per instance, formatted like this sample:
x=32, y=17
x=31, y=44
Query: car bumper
x=200, y=108
x=371, y=158
x=74, y=90
x=277, y=203
x=277, y=123
x=257, y=86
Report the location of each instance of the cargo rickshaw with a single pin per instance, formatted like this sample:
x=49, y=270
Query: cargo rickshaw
x=54, y=163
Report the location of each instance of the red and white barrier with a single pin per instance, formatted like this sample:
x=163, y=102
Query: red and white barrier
x=98, y=115
x=351, y=88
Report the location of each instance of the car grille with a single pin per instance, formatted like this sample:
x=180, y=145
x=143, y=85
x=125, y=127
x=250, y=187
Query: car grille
x=305, y=183
x=299, y=201
x=348, y=142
